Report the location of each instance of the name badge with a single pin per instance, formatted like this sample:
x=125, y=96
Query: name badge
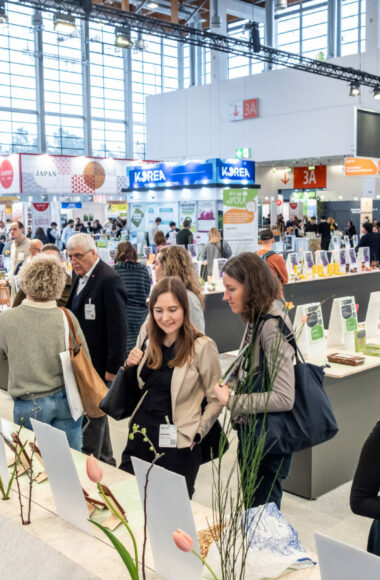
x=89, y=311
x=168, y=436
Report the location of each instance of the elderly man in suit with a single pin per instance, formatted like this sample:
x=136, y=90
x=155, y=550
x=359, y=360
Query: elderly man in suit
x=98, y=299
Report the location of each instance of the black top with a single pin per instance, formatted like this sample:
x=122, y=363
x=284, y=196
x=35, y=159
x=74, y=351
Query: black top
x=184, y=237
x=365, y=487
x=324, y=229
x=372, y=241
x=309, y=227
x=158, y=400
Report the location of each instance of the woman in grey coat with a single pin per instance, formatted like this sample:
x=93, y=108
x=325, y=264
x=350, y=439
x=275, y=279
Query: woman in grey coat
x=266, y=379
x=215, y=249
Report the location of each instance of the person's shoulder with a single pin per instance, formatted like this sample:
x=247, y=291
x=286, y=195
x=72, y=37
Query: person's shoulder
x=204, y=343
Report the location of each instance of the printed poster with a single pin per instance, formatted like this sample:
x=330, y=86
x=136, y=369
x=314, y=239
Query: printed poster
x=240, y=216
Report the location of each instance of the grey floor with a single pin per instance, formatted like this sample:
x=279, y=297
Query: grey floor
x=329, y=514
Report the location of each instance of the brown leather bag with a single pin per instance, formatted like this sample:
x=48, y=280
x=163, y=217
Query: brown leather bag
x=91, y=387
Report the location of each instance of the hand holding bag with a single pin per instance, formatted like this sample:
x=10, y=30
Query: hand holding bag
x=91, y=387
x=124, y=393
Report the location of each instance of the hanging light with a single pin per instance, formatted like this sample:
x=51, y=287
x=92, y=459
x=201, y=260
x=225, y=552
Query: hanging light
x=376, y=93
x=280, y=4
x=354, y=89
x=139, y=43
x=3, y=14
x=123, y=38
x=64, y=23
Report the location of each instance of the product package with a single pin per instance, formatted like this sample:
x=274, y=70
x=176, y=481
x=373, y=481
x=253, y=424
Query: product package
x=346, y=359
x=360, y=340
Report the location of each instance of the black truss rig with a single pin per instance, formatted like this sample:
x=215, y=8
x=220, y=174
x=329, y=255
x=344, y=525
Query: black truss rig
x=103, y=13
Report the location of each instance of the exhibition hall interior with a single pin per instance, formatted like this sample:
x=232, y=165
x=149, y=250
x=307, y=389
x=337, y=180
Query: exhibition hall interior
x=190, y=289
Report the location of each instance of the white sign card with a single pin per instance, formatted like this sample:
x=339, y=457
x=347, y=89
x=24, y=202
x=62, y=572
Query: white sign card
x=168, y=509
x=343, y=323
x=4, y=472
x=217, y=271
x=347, y=243
x=291, y=261
x=311, y=339
x=321, y=257
x=339, y=257
x=364, y=256
x=355, y=240
x=63, y=477
x=336, y=242
x=373, y=314
x=308, y=260
x=352, y=259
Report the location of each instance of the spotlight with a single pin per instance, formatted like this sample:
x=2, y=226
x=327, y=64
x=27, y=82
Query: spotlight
x=139, y=43
x=64, y=23
x=376, y=93
x=152, y=5
x=3, y=14
x=354, y=89
x=254, y=35
x=123, y=38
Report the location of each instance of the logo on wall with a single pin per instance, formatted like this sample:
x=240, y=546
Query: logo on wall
x=92, y=178
x=6, y=174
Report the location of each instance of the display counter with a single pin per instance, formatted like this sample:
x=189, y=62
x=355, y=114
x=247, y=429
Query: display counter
x=51, y=547
x=227, y=329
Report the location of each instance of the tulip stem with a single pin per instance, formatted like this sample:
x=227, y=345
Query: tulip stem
x=204, y=563
x=123, y=521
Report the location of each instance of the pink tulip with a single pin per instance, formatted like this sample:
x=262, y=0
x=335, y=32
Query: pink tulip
x=183, y=541
x=357, y=307
x=94, y=471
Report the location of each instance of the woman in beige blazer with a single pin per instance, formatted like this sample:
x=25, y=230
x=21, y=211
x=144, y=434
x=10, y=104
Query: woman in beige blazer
x=253, y=291
x=176, y=373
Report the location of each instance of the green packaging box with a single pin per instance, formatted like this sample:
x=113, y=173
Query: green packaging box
x=360, y=342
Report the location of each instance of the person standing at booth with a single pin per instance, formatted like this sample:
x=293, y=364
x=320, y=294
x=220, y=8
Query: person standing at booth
x=184, y=236
x=99, y=301
x=325, y=232
x=275, y=262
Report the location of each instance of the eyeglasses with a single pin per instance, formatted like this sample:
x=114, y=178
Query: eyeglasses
x=77, y=256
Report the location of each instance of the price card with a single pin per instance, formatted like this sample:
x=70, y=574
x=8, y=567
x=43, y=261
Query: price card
x=311, y=338
x=343, y=323
x=364, y=256
x=291, y=261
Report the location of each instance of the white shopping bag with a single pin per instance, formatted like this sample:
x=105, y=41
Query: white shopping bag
x=72, y=391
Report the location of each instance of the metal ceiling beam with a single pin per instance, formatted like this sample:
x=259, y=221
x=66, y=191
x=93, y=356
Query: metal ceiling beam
x=105, y=14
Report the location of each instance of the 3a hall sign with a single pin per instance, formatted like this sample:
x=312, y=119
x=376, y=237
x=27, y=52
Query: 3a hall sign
x=306, y=178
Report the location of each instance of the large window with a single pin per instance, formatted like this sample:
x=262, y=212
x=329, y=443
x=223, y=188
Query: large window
x=302, y=29
x=352, y=26
x=18, y=109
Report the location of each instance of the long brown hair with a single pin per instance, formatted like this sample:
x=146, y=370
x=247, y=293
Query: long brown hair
x=125, y=253
x=261, y=286
x=184, y=345
x=176, y=261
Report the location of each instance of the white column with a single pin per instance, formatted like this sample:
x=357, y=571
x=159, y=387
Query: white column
x=373, y=25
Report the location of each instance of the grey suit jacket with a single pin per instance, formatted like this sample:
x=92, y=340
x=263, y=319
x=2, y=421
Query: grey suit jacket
x=280, y=360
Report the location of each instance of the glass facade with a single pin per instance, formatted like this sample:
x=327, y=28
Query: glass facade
x=79, y=94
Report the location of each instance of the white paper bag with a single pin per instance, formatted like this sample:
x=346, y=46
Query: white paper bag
x=72, y=391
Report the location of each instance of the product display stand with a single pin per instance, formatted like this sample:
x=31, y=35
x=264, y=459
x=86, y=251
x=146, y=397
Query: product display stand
x=308, y=261
x=352, y=260
x=339, y=257
x=310, y=334
x=373, y=314
x=364, y=257
x=343, y=323
x=217, y=270
x=292, y=263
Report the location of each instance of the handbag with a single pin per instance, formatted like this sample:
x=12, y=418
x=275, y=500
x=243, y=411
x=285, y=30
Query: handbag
x=311, y=421
x=91, y=387
x=72, y=392
x=214, y=444
x=124, y=393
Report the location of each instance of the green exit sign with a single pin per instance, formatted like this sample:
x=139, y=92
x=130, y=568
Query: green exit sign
x=243, y=153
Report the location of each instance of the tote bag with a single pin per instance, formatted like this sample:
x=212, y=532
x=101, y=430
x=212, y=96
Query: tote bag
x=311, y=421
x=72, y=392
x=91, y=387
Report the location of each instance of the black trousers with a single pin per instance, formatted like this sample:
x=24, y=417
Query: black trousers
x=181, y=461
x=97, y=440
x=374, y=538
x=325, y=243
x=272, y=470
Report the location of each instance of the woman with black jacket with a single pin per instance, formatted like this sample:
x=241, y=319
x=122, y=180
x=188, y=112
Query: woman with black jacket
x=364, y=499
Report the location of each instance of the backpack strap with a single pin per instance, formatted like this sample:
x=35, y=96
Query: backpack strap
x=267, y=255
x=287, y=333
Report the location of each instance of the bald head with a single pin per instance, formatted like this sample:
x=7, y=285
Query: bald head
x=35, y=247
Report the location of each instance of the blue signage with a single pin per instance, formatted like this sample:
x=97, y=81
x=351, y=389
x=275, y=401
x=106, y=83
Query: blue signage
x=71, y=205
x=192, y=173
x=166, y=174
x=239, y=171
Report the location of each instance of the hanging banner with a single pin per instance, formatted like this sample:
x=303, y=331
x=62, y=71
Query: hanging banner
x=240, y=215
x=40, y=216
x=206, y=218
x=360, y=166
x=10, y=174
x=56, y=174
x=187, y=211
x=136, y=217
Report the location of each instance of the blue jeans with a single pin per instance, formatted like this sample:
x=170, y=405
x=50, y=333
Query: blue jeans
x=53, y=410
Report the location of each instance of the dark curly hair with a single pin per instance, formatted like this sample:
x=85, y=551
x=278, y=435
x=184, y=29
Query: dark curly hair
x=261, y=286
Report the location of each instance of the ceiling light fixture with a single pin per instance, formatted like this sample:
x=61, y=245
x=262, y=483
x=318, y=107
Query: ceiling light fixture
x=152, y=5
x=139, y=43
x=123, y=38
x=354, y=89
x=64, y=23
x=376, y=93
x=3, y=14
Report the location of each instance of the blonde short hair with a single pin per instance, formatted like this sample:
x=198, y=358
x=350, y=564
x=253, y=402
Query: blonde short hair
x=43, y=278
